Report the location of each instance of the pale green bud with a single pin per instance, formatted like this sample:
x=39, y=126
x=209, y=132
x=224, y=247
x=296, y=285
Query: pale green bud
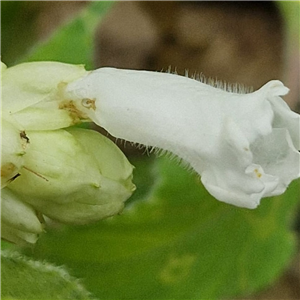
x=74, y=176
x=3, y=68
x=19, y=221
x=32, y=95
x=13, y=147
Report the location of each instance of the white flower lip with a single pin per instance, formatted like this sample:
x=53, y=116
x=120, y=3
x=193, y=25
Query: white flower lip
x=244, y=146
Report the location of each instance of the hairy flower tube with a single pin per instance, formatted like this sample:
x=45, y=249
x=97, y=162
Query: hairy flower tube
x=244, y=146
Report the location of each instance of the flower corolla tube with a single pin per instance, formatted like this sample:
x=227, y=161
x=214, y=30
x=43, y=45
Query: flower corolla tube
x=243, y=145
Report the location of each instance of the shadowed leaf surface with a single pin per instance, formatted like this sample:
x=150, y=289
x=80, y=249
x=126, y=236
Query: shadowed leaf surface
x=29, y=279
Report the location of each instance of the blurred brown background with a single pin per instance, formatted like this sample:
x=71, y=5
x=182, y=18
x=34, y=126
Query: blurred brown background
x=233, y=41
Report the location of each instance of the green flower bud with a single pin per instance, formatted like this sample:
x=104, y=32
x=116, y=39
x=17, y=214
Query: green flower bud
x=74, y=176
x=19, y=221
x=14, y=144
x=32, y=95
x=3, y=68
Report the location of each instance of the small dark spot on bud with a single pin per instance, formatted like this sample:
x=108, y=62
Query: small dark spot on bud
x=14, y=177
x=24, y=136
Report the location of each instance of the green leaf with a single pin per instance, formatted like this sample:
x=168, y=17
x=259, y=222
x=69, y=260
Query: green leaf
x=18, y=29
x=177, y=242
x=291, y=11
x=6, y=245
x=27, y=279
x=73, y=42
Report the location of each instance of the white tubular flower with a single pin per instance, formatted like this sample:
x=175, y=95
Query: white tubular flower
x=31, y=94
x=244, y=146
x=74, y=176
x=13, y=147
x=19, y=221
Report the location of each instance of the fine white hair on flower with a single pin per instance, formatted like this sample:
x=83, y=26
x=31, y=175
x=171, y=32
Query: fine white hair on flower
x=244, y=146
